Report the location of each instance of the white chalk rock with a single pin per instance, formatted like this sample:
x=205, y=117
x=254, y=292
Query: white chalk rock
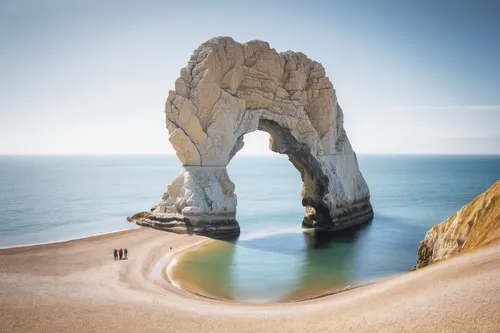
x=229, y=89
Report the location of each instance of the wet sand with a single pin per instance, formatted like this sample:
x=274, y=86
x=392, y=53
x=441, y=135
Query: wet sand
x=76, y=286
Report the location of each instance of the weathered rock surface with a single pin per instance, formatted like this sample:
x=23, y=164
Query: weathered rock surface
x=229, y=89
x=475, y=224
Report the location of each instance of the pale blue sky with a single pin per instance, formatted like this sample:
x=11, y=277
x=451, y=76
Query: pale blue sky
x=91, y=77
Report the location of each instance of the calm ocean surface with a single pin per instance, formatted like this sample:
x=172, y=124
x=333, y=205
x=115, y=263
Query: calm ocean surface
x=45, y=199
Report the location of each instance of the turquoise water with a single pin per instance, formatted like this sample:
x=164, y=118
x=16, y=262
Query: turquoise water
x=46, y=199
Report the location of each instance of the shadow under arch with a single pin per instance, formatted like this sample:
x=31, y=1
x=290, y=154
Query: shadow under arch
x=326, y=272
x=315, y=182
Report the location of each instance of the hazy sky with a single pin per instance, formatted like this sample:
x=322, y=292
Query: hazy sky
x=91, y=77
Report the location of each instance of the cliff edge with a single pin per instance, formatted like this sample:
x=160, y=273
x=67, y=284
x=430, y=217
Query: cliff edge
x=475, y=224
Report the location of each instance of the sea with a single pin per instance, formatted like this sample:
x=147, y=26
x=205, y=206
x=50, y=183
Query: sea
x=55, y=198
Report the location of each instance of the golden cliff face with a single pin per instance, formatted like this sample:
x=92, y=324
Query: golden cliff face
x=474, y=225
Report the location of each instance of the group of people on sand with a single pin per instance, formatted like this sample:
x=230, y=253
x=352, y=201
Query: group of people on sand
x=122, y=254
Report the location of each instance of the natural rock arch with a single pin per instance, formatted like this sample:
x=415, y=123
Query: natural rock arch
x=229, y=89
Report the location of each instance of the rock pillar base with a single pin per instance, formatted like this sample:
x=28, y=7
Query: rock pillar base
x=200, y=201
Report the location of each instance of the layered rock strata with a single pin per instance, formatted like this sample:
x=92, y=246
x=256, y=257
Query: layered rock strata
x=475, y=224
x=229, y=89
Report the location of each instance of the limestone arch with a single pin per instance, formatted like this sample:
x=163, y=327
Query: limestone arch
x=229, y=89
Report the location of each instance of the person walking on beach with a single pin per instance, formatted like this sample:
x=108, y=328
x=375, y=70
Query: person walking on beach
x=115, y=254
x=120, y=253
x=125, y=253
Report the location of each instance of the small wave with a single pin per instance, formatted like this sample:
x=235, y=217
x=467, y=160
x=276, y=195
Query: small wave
x=270, y=232
x=65, y=239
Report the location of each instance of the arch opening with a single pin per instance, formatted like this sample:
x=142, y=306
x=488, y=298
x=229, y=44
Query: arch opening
x=314, y=181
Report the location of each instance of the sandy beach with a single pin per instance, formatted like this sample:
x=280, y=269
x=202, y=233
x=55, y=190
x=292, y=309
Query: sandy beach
x=76, y=286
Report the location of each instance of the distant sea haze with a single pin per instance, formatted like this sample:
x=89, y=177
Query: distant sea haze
x=55, y=198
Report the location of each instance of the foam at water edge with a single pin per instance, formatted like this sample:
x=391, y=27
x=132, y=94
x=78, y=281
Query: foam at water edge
x=66, y=240
x=271, y=232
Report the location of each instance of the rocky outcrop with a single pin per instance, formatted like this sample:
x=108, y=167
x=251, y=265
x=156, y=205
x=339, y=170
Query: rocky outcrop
x=229, y=89
x=474, y=225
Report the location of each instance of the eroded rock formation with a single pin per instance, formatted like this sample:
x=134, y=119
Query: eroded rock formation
x=475, y=224
x=229, y=89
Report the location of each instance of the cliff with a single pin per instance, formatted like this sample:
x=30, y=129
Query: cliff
x=475, y=224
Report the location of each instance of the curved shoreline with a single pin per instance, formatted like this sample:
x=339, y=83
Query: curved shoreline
x=164, y=266
x=84, y=289
x=19, y=246
x=167, y=263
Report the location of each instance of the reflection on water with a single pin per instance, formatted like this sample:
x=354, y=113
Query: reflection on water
x=321, y=273
x=319, y=240
x=278, y=267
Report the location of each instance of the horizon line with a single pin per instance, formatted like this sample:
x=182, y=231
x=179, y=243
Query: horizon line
x=253, y=155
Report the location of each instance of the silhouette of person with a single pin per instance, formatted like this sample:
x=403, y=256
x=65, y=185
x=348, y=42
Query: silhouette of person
x=115, y=254
x=125, y=252
x=120, y=253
